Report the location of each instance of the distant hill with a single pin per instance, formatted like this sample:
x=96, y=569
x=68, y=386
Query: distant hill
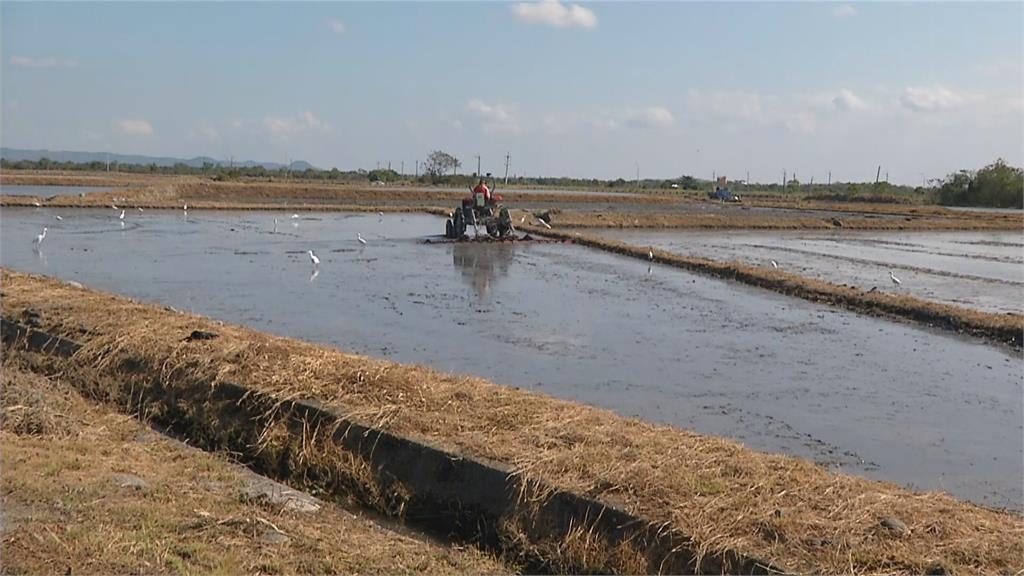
x=15, y=155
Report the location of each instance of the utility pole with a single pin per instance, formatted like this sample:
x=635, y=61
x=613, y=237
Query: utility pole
x=886, y=176
x=638, y=174
x=829, y=178
x=389, y=165
x=403, y=168
x=747, y=181
x=783, y=180
x=508, y=158
x=878, y=173
x=478, y=173
x=417, y=170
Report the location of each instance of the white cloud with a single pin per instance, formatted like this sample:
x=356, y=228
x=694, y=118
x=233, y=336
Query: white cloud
x=800, y=122
x=135, y=127
x=554, y=13
x=645, y=118
x=337, y=26
x=937, y=97
x=45, y=62
x=844, y=11
x=847, y=100
x=284, y=128
x=495, y=117
x=735, y=105
x=651, y=117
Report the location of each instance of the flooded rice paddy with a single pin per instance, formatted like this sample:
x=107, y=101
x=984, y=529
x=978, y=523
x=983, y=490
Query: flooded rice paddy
x=979, y=270
x=49, y=191
x=887, y=400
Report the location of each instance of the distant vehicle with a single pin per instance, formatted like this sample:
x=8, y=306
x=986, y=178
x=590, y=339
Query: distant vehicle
x=724, y=195
x=722, y=191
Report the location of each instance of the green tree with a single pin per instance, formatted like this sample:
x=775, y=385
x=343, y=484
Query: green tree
x=440, y=163
x=997, y=185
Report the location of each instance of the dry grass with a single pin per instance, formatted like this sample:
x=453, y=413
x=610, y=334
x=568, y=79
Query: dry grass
x=780, y=509
x=1005, y=328
x=64, y=512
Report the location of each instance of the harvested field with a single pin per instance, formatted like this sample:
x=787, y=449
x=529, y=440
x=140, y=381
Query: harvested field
x=779, y=509
x=90, y=491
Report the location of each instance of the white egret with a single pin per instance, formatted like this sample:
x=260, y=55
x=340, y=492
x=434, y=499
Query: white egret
x=114, y=207
x=40, y=237
x=523, y=219
x=58, y=217
x=650, y=255
x=381, y=214
x=894, y=279
x=294, y=216
x=36, y=204
x=313, y=258
x=775, y=264
x=140, y=208
x=121, y=217
x=360, y=238
x=544, y=222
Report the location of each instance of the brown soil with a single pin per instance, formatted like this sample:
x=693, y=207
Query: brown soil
x=727, y=497
x=66, y=509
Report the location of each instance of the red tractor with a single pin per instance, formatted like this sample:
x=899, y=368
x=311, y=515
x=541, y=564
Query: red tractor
x=481, y=209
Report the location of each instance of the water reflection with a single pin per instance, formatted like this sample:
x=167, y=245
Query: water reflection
x=482, y=264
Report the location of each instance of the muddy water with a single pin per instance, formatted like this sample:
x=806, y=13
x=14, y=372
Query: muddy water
x=980, y=270
x=882, y=399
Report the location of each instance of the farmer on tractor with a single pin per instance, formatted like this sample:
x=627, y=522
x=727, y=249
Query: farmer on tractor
x=482, y=208
x=482, y=194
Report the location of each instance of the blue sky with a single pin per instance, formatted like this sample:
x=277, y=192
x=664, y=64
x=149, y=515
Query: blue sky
x=587, y=90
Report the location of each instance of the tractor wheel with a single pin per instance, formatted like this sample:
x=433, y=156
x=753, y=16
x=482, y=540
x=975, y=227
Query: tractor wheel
x=459, y=223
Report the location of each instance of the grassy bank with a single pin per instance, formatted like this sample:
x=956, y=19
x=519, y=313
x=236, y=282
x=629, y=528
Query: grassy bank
x=722, y=495
x=87, y=490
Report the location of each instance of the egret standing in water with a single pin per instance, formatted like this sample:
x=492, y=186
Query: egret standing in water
x=121, y=217
x=360, y=238
x=894, y=279
x=314, y=259
x=40, y=237
x=650, y=255
x=775, y=264
x=58, y=217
